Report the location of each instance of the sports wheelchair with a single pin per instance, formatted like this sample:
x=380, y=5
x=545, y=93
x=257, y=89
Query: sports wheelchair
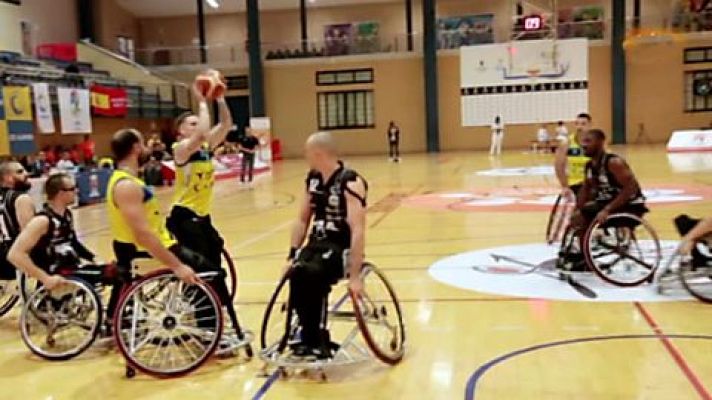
x=623, y=250
x=372, y=322
x=694, y=272
x=161, y=326
x=21, y=288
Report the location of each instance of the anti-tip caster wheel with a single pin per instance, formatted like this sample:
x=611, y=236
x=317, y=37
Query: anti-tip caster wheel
x=130, y=372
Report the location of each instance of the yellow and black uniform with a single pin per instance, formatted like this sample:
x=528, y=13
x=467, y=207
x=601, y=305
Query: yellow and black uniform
x=125, y=244
x=575, y=164
x=126, y=247
x=190, y=221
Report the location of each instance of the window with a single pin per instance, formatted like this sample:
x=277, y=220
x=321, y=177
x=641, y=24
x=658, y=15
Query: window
x=344, y=77
x=698, y=91
x=238, y=82
x=345, y=110
x=695, y=55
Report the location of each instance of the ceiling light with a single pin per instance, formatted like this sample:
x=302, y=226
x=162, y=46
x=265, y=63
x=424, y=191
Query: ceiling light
x=213, y=3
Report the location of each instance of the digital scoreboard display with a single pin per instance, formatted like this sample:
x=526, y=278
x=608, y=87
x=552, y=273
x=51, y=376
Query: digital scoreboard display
x=533, y=23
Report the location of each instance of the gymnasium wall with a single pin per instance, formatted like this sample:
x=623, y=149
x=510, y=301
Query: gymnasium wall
x=655, y=89
x=111, y=21
x=59, y=25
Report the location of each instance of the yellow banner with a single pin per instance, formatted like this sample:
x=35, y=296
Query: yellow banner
x=4, y=139
x=100, y=100
x=18, y=106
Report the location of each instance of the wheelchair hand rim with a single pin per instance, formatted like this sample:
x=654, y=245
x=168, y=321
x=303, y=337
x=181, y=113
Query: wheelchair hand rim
x=128, y=293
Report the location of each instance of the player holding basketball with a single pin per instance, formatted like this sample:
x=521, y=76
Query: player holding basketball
x=570, y=161
x=609, y=187
x=335, y=207
x=189, y=220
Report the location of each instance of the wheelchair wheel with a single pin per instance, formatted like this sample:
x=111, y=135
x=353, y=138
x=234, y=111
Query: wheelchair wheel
x=27, y=285
x=231, y=274
x=8, y=295
x=279, y=319
x=61, y=324
x=697, y=279
x=624, y=250
x=379, y=317
x=559, y=219
x=166, y=328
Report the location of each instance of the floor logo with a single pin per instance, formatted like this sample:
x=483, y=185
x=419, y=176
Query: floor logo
x=541, y=170
x=508, y=275
x=537, y=198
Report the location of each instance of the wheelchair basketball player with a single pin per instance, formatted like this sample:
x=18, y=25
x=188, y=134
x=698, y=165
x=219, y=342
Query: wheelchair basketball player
x=570, y=162
x=609, y=187
x=49, y=242
x=335, y=206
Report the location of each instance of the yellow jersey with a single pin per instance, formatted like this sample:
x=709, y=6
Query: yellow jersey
x=575, y=161
x=120, y=230
x=194, y=182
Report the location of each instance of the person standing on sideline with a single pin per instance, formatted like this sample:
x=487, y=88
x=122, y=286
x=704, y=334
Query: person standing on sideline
x=497, y=136
x=248, y=148
x=561, y=131
x=393, y=142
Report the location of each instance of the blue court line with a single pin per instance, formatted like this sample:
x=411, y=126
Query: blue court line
x=477, y=375
x=265, y=386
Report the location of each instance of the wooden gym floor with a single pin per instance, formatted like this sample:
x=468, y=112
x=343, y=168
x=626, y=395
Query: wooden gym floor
x=461, y=343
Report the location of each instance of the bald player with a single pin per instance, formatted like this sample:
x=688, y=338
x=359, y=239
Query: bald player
x=334, y=205
x=16, y=210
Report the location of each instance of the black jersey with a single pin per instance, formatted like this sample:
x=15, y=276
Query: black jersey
x=59, y=246
x=604, y=182
x=9, y=225
x=328, y=203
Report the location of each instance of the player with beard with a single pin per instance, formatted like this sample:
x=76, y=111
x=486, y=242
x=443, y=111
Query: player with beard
x=570, y=161
x=16, y=210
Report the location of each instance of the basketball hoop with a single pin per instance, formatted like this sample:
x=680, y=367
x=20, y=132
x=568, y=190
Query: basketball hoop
x=533, y=73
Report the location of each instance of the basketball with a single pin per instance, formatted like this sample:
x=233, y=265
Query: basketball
x=211, y=84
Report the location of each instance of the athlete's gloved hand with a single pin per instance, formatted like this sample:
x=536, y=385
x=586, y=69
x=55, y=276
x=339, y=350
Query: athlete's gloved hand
x=187, y=275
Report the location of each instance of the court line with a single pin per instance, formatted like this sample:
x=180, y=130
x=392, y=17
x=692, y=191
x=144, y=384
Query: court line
x=433, y=300
x=257, y=238
x=674, y=352
x=471, y=386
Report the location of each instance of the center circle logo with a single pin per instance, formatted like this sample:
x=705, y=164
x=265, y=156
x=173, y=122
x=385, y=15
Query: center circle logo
x=499, y=271
x=537, y=198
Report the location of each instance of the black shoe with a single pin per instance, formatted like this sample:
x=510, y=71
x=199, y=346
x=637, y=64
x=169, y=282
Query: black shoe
x=307, y=352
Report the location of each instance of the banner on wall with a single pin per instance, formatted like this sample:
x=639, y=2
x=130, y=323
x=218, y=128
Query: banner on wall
x=366, y=37
x=74, y=111
x=17, y=131
x=108, y=101
x=337, y=38
x=465, y=30
x=583, y=21
x=43, y=108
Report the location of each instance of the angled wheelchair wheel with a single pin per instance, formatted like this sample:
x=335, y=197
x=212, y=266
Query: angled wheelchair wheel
x=623, y=250
x=697, y=279
x=166, y=328
x=231, y=273
x=26, y=285
x=559, y=219
x=279, y=320
x=8, y=295
x=62, y=323
x=379, y=317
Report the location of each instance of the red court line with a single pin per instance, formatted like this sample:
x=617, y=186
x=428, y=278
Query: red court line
x=675, y=353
